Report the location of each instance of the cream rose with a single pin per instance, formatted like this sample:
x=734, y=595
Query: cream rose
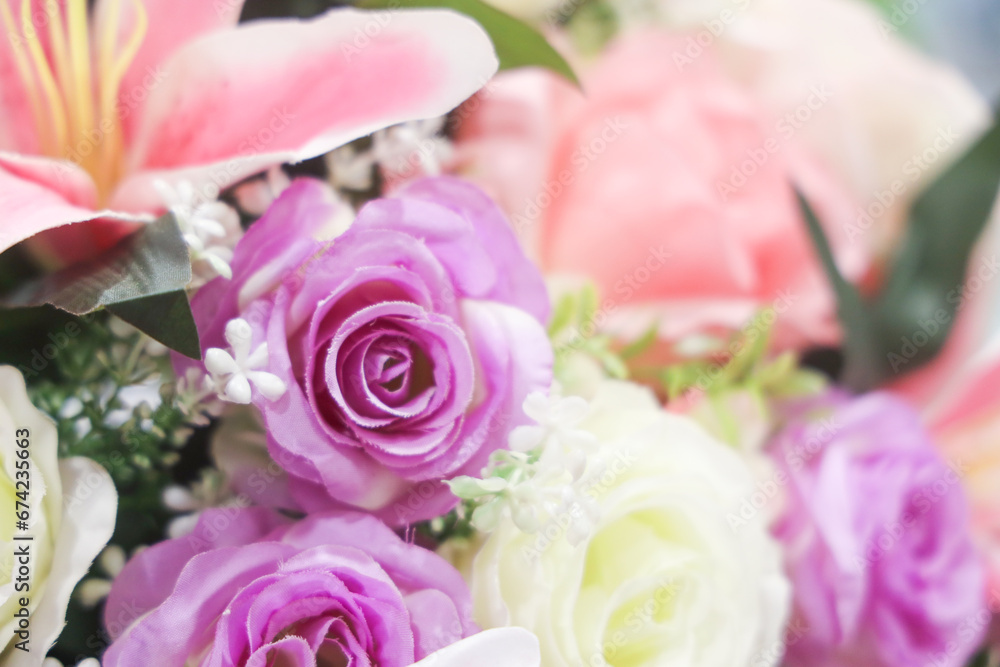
x=664, y=578
x=70, y=513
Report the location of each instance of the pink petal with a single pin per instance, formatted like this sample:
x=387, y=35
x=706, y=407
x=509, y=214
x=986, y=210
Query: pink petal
x=17, y=123
x=37, y=194
x=172, y=23
x=228, y=108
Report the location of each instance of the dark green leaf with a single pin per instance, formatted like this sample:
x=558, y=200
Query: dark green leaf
x=165, y=317
x=920, y=294
x=147, y=271
x=860, y=343
x=517, y=44
x=908, y=322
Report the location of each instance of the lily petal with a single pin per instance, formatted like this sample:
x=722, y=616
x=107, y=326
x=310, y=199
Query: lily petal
x=37, y=195
x=327, y=81
x=172, y=24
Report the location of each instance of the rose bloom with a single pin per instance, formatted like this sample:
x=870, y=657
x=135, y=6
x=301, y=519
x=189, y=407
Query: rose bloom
x=664, y=578
x=71, y=512
x=666, y=186
x=250, y=587
x=894, y=118
x=407, y=344
x=878, y=540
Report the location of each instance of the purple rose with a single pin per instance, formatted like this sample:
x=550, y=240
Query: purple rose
x=407, y=344
x=249, y=587
x=877, y=539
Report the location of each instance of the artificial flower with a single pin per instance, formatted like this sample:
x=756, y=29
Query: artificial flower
x=68, y=511
x=706, y=229
x=248, y=587
x=501, y=647
x=957, y=392
x=406, y=345
x=877, y=534
x=894, y=118
x=98, y=106
x=664, y=578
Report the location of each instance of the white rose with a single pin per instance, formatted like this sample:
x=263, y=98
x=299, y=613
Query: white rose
x=71, y=509
x=502, y=647
x=664, y=579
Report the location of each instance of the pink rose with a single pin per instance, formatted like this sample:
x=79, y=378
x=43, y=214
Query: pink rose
x=665, y=186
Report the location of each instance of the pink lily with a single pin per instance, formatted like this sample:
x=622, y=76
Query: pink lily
x=96, y=107
x=958, y=394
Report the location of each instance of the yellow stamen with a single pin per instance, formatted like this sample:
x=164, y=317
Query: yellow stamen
x=57, y=37
x=48, y=82
x=79, y=48
x=112, y=72
x=27, y=77
x=73, y=88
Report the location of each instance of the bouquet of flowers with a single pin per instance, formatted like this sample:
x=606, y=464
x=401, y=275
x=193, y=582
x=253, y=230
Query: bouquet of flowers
x=541, y=333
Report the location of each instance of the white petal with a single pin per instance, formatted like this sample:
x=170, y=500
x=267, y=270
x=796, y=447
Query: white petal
x=500, y=647
x=91, y=505
x=526, y=438
x=259, y=357
x=218, y=265
x=220, y=362
x=536, y=406
x=238, y=334
x=112, y=560
x=570, y=411
x=179, y=499
x=268, y=384
x=237, y=390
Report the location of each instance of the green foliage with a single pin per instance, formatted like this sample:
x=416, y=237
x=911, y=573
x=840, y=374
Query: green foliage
x=142, y=278
x=135, y=442
x=517, y=44
x=925, y=279
x=573, y=329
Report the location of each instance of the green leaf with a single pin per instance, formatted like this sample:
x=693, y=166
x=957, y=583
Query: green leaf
x=517, y=44
x=164, y=317
x=923, y=289
x=141, y=279
x=908, y=322
x=864, y=362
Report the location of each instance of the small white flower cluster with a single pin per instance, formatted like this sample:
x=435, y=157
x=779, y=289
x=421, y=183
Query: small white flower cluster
x=210, y=228
x=94, y=589
x=212, y=490
x=401, y=152
x=544, y=474
x=235, y=374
